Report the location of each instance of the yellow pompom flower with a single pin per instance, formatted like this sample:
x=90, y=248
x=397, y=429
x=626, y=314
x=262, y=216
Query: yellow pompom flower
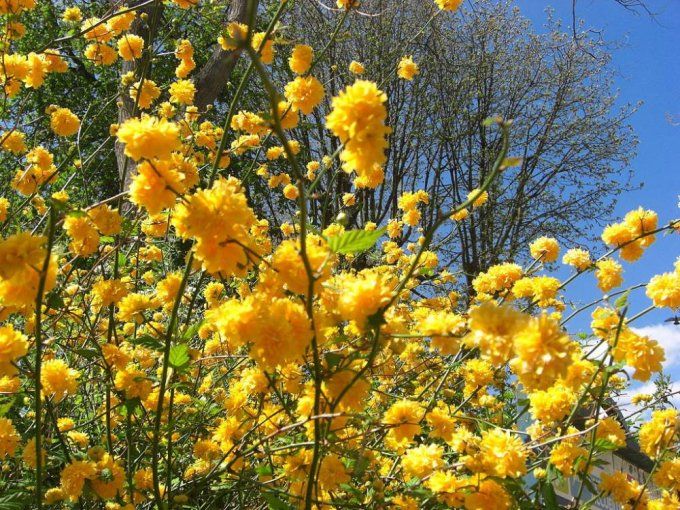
x=639, y=352
x=144, y=93
x=156, y=185
x=20, y=254
x=108, y=221
x=609, y=274
x=577, y=258
x=101, y=54
x=148, y=138
x=422, y=460
x=264, y=47
x=479, y=198
x=492, y=330
x=288, y=263
x=72, y=15
x=73, y=477
x=407, y=68
x=182, y=92
x=235, y=33
x=502, y=454
x=304, y=93
x=659, y=433
x=664, y=290
x=133, y=382
x=544, y=353
x=553, y=404
x=301, y=58
x=226, y=248
x=356, y=68
x=545, y=249
x=58, y=380
x=448, y=5
x=130, y=47
x=13, y=345
x=403, y=419
x=64, y=122
x=9, y=438
x=358, y=119
x=83, y=234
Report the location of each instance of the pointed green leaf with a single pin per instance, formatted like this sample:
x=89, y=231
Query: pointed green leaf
x=355, y=241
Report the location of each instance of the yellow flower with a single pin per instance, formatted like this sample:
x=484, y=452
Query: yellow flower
x=608, y=274
x=304, y=93
x=73, y=477
x=13, y=345
x=422, y=460
x=577, y=258
x=107, y=220
x=489, y=494
x=221, y=247
x=278, y=328
x=20, y=254
x=291, y=191
x=664, y=290
x=358, y=119
x=133, y=382
x=407, y=68
x=545, y=249
x=101, y=54
x=448, y=5
x=72, y=15
x=156, y=185
x=264, y=47
x=492, y=330
x=83, y=234
x=544, y=353
x=480, y=197
x=58, y=380
x=288, y=263
x=552, y=404
x=356, y=68
x=130, y=47
x=182, y=92
x=403, y=418
x=502, y=454
x=660, y=433
x=148, y=138
x=301, y=58
x=64, y=122
x=235, y=34
x=9, y=438
x=144, y=93
x=639, y=352
x=132, y=306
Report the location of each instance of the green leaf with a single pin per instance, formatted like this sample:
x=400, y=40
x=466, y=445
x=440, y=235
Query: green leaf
x=605, y=445
x=5, y=406
x=275, y=503
x=355, y=241
x=622, y=300
x=87, y=353
x=149, y=342
x=54, y=300
x=106, y=239
x=179, y=356
x=549, y=496
x=191, y=331
x=332, y=359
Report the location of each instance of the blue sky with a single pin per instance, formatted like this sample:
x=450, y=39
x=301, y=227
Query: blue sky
x=648, y=69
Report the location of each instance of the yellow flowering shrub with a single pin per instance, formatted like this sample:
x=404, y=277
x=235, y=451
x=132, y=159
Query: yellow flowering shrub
x=210, y=336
